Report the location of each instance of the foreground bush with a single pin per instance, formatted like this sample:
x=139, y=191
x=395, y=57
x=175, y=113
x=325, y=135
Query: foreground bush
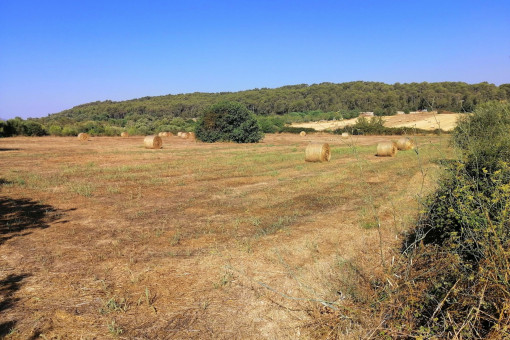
x=456, y=266
x=484, y=137
x=228, y=121
x=451, y=279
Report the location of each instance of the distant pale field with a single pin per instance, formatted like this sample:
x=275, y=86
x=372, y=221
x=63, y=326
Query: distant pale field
x=104, y=239
x=424, y=121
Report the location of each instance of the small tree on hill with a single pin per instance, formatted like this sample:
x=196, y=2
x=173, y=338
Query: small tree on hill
x=228, y=121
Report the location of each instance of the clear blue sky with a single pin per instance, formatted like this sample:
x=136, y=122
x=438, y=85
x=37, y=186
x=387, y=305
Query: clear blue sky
x=58, y=54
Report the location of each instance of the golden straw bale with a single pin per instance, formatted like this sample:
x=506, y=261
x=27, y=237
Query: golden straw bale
x=345, y=135
x=385, y=149
x=302, y=133
x=184, y=135
x=191, y=135
x=405, y=143
x=124, y=134
x=153, y=142
x=317, y=152
x=179, y=134
x=83, y=136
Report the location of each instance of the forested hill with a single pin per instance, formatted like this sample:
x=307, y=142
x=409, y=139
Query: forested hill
x=326, y=97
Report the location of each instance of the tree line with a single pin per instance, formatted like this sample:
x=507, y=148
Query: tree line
x=273, y=107
x=326, y=97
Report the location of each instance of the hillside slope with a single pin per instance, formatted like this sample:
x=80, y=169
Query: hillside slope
x=327, y=97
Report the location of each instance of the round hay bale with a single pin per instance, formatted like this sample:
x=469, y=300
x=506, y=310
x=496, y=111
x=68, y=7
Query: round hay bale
x=184, y=135
x=302, y=133
x=387, y=149
x=124, y=134
x=317, y=152
x=83, y=136
x=405, y=143
x=153, y=142
x=191, y=135
x=161, y=134
x=345, y=135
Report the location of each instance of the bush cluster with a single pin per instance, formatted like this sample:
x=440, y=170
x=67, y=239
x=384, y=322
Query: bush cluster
x=228, y=121
x=456, y=267
x=20, y=127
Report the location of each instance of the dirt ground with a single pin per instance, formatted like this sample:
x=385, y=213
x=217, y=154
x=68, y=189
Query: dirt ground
x=106, y=239
x=424, y=120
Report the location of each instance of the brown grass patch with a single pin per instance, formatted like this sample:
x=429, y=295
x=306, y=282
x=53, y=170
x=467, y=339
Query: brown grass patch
x=184, y=242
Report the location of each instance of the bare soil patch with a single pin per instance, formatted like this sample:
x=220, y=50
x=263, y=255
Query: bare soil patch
x=107, y=239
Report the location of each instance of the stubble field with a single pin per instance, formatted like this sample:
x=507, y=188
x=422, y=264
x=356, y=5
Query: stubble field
x=106, y=239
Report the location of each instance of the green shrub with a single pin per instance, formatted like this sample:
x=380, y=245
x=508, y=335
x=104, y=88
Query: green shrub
x=291, y=129
x=375, y=126
x=484, y=137
x=2, y=127
x=270, y=124
x=112, y=130
x=69, y=130
x=55, y=130
x=228, y=121
x=455, y=267
x=32, y=128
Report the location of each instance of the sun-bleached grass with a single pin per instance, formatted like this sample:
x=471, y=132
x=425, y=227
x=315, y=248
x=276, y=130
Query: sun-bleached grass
x=145, y=216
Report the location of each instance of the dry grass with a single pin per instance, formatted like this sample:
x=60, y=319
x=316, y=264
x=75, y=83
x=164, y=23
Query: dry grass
x=423, y=121
x=196, y=240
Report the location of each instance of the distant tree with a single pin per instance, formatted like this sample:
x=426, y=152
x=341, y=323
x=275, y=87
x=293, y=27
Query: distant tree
x=2, y=127
x=32, y=128
x=55, y=130
x=14, y=127
x=228, y=121
x=149, y=113
x=69, y=130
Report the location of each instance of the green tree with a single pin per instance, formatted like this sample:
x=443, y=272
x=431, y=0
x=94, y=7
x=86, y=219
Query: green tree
x=228, y=121
x=2, y=127
x=32, y=128
x=14, y=127
x=55, y=130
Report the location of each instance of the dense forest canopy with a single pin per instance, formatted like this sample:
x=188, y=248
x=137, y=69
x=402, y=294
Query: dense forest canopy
x=326, y=97
x=273, y=107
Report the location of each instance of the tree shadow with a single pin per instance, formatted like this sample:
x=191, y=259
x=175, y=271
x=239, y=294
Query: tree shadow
x=17, y=216
x=8, y=286
x=9, y=149
x=3, y=182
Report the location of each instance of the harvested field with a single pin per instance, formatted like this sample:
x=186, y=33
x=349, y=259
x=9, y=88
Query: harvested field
x=423, y=120
x=109, y=239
